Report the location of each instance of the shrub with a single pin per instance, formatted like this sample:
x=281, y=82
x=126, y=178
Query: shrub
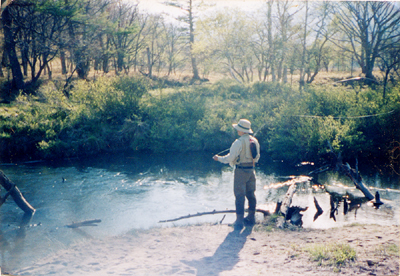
x=51, y=126
x=331, y=254
x=112, y=114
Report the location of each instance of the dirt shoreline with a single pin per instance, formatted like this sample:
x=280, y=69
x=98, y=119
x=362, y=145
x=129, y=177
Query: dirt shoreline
x=218, y=250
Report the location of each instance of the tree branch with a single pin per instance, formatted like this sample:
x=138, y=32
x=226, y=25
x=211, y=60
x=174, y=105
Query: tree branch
x=266, y=213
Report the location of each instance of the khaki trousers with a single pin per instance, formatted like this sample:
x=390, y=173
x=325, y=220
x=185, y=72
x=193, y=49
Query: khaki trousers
x=244, y=186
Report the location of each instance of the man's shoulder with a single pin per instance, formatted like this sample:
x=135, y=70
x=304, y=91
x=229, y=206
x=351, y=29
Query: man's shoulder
x=253, y=138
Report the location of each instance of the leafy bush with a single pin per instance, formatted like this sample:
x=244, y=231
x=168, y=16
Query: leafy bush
x=173, y=120
x=51, y=126
x=112, y=114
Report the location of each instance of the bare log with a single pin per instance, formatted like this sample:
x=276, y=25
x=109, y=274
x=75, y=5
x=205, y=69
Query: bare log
x=337, y=164
x=281, y=221
x=84, y=223
x=356, y=178
x=287, y=201
x=266, y=213
x=16, y=194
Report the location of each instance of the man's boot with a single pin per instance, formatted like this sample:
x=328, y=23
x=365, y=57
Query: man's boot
x=250, y=220
x=239, y=223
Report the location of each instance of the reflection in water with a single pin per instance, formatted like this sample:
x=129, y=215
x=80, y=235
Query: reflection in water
x=137, y=191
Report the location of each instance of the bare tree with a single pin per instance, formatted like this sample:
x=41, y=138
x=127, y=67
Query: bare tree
x=318, y=52
x=9, y=31
x=154, y=42
x=173, y=38
x=370, y=29
x=388, y=61
x=41, y=27
x=189, y=19
x=303, y=56
x=286, y=11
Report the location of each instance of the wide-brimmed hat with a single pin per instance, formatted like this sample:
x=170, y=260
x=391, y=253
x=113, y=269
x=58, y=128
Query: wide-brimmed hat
x=243, y=125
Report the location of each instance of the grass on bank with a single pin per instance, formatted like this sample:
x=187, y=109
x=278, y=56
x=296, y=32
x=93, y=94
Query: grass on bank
x=332, y=254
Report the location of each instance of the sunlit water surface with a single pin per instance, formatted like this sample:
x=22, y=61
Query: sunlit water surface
x=137, y=191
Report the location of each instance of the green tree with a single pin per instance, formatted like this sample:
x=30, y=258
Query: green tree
x=124, y=33
x=84, y=30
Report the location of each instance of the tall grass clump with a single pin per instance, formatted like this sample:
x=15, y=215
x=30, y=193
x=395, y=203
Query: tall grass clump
x=336, y=255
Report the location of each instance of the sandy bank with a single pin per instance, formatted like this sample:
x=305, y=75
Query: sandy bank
x=218, y=250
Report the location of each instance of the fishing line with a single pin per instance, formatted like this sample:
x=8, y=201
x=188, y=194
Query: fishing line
x=316, y=116
x=341, y=117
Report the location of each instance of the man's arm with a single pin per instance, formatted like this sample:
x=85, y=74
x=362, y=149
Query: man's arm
x=231, y=157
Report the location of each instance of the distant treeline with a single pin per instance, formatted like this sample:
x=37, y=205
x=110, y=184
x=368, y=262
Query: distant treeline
x=280, y=40
x=129, y=114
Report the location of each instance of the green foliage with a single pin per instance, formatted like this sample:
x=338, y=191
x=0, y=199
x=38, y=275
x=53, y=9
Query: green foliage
x=118, y=114
x=91, y=121
x=331, y=254
x=350, y=122
x=173, y=120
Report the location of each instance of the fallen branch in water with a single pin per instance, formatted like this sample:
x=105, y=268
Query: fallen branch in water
x=15, y=193
x=336, y=164
x=266, y=213
x=84, y=223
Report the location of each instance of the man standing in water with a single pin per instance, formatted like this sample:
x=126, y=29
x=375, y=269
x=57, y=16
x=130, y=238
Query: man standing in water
x=243, y=154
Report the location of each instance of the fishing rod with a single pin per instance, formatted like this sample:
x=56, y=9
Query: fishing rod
x=255, y=133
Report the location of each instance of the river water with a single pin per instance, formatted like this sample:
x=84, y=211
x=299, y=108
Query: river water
x=136, y=191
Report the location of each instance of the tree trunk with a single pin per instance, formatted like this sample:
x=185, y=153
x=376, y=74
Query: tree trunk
x=149, y=63
x=191, y=41
x=63, y=64
x=16, y=194
x=303, y=56
x=9, y=46
x=82, y=67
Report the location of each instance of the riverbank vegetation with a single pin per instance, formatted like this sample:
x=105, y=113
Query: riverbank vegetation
x=126, y=113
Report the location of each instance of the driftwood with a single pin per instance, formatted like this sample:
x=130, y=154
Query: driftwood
x=266, y=213
x=356, y=178
x=15, y=193
x=319, y=209
x=285, y=210
x=84, y=223
x=337, y=165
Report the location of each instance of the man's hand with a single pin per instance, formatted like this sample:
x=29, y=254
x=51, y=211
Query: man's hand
x=215, y=157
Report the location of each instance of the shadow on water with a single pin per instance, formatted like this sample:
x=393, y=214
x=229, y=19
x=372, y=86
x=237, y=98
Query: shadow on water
x=225, y=257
